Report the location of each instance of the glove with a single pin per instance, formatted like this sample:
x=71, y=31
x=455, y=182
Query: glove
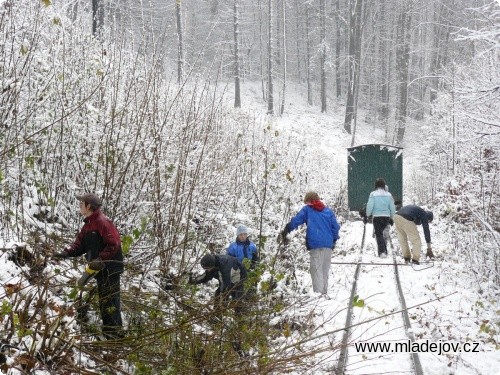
x=365, y=220
x=96, y=264
x=63, y=254
x=429, y=253
x=282, y=237
x=86, y=276
x=391, y=222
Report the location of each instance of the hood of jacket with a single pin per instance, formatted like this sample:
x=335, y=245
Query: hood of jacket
x=317, y=205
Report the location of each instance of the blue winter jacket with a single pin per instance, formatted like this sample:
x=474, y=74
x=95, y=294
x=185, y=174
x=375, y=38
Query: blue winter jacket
x=419, y=216
x=322, y=227
x=380, y=203
x=241, y=250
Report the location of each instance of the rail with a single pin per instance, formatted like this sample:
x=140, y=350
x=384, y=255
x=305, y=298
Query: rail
x=342, y=362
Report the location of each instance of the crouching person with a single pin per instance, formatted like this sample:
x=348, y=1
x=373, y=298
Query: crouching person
x=406, y=220
x=230, y=273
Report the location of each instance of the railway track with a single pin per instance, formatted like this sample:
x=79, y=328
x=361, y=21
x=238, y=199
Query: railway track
x=416, y=366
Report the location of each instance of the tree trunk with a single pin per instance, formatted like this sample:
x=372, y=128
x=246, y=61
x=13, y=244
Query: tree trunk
x=261, y=52
x=390, y=72
x=308, y=58
x=278, y=32
x=180, y=46
x=403, y=62
x=369, y=74
x=439, y=49
x=354, y=61
x=73, y=11
x=282, y=109
x=338, y=76
x=322, y=21
x=237, y=97
x=97, y=18
x=297, y=40
x=270, y=97
x=384, y=64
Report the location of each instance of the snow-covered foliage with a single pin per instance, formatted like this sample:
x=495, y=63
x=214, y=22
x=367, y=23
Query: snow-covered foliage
x=176, y=167
x=179, y=168
x=464, y=153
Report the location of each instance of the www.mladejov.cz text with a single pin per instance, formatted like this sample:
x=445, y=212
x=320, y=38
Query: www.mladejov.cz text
x=422, y=346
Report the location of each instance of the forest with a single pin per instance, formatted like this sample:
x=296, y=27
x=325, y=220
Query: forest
x=176, y=112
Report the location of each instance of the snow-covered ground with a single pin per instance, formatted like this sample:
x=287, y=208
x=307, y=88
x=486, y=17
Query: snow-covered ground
x=452, y=305
x=456, y=318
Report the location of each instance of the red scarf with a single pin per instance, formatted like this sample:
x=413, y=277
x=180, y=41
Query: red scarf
x=317, y=205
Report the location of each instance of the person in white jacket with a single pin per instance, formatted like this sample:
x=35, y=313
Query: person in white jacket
x=381, y=206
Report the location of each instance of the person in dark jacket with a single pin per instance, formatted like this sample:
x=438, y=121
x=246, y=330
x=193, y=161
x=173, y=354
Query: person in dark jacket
x=100, y=241
x=381, y=206
x=243, y=249
x=406, y=220
x=321, y=235
x=230, y=273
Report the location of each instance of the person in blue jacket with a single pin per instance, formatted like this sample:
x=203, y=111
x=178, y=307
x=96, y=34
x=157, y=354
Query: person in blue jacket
x=321, y=234
x=406, y=220
x=381, y=206
x=243, y=249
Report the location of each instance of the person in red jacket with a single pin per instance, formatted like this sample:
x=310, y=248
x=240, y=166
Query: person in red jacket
x=100, y=241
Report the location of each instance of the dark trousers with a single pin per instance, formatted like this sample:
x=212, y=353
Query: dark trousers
x=108, y=288
x=237, y=296
x=379, y=224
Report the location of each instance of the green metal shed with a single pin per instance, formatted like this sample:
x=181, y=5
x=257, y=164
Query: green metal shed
x=365, y=164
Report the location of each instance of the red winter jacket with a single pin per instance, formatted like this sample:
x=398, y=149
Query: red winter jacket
x=98, y=222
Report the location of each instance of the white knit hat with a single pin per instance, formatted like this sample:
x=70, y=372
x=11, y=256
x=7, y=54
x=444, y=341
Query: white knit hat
x=241, y=229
